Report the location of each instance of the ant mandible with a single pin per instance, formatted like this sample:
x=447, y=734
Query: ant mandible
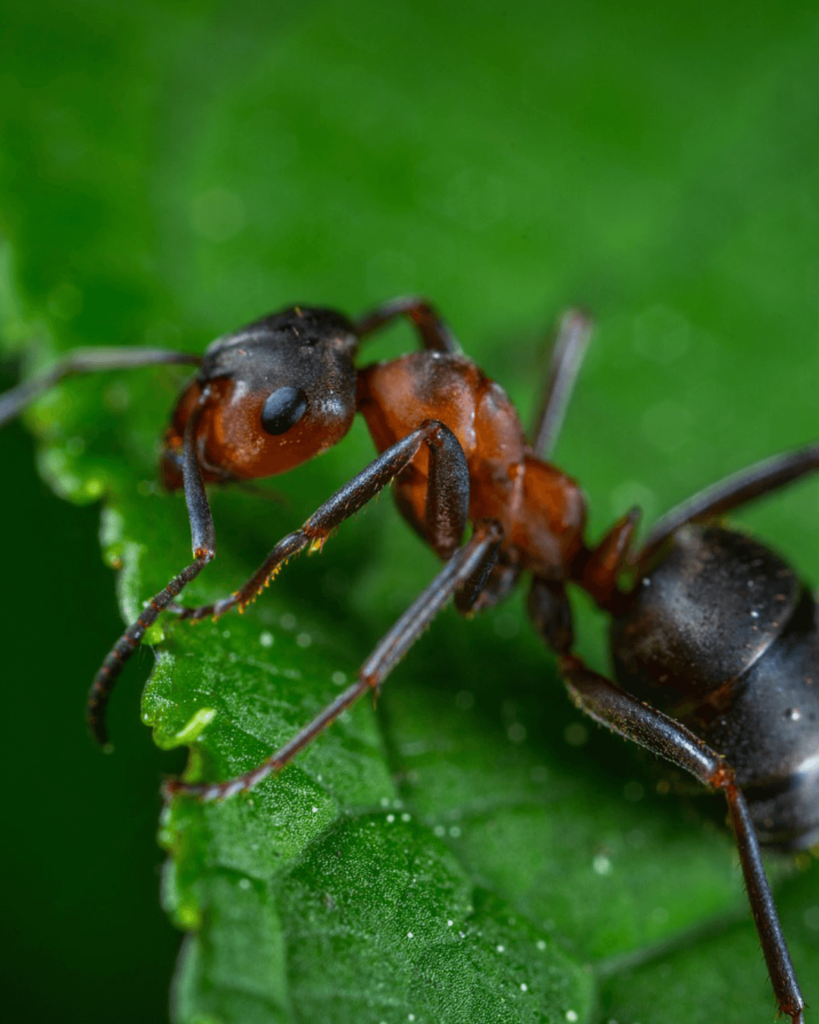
x=714, y=640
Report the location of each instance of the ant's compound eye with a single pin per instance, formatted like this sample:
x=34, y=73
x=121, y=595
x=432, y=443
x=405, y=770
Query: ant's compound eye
x=283, y=409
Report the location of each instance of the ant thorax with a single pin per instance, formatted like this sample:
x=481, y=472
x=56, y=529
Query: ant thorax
x=541, y=509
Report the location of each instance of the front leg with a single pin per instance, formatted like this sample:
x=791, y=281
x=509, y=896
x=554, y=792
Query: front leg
x=432, y=329
x=203, y=541
x=619, y=711
x=446, y=509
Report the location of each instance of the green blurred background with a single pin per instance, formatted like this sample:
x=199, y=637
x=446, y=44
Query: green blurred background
x=171, y=170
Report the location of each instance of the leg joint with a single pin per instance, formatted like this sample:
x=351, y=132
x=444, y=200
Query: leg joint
x=723, y=778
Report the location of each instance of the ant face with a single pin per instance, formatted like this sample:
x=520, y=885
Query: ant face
x=273, y=395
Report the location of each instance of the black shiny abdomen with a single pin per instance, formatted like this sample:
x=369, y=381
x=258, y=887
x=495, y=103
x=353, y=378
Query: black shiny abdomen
x=722, y=635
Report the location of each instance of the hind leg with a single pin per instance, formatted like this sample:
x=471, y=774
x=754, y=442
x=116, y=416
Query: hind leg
x=738, y=489
x=607, y=704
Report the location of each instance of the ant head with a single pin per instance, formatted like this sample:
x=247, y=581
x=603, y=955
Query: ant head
x=272, y=395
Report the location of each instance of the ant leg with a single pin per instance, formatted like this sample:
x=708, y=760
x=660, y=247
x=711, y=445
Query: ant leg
x=619, y=711
x=738, y=489
x=86, y=360
x=489, y=589
x=573, y=336
x=434, y=333
x=470, y=562
x=203, y=542
x=594, y=569
x=446, y=509
x=551, y=614
x=597, y=572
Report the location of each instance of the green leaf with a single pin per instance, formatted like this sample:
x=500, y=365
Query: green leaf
x=170, y=172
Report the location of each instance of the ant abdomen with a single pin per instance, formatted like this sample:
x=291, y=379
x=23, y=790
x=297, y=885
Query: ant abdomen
x=770, y=733
x=739, y=666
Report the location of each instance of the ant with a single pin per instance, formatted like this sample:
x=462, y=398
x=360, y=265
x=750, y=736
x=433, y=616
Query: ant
x=714, y=637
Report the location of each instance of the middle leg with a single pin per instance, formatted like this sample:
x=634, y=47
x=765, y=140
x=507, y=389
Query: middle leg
x=573, y=336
